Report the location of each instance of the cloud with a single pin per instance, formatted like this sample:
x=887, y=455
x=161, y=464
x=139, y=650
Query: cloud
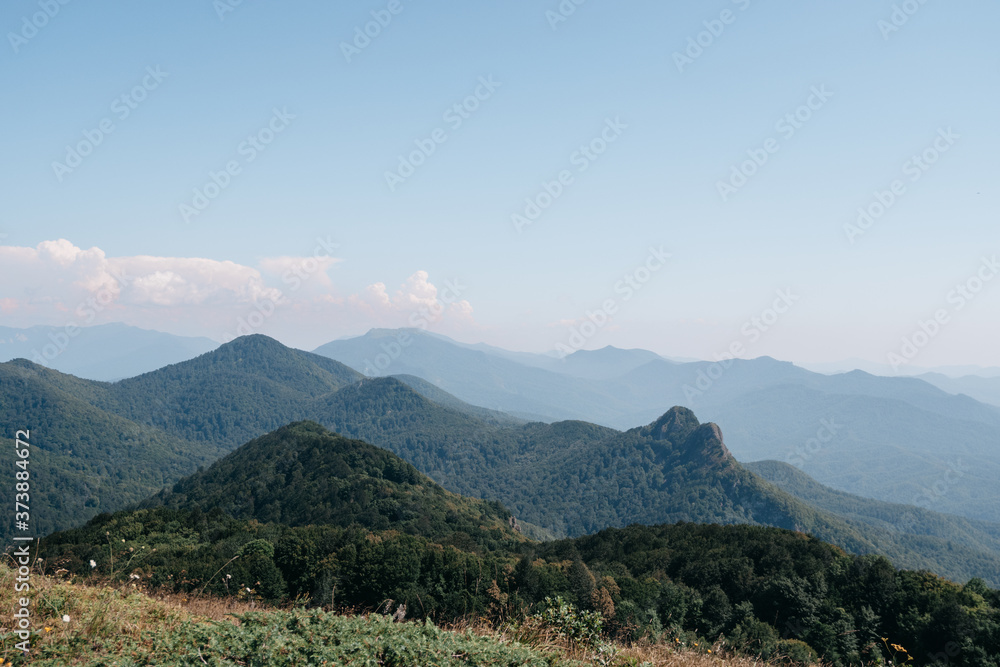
x=417, y=303
x=68, y=277
x=58, y=283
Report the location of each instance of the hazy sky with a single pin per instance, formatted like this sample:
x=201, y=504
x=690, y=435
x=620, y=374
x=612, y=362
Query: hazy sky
x=182, y=165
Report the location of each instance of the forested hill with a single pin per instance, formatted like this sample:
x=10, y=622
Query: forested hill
x=84, y=459
x=237, y=392
x=303, y=474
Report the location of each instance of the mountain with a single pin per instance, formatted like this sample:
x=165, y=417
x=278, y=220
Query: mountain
x=848, y=365
x=443, y=398
x=574, y=478
x=985, y=389
x=605, y=363
x=934, y=537
x=303, y=474
x=85, y=459
x=480, y=376
x=889, y=432
x=239, y=391
x=101, y=446
x=102, y=352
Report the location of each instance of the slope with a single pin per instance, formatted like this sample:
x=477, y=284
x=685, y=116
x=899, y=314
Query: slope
x=985, y=389
x=303, y=474
x=83, y=459
x=243, y=389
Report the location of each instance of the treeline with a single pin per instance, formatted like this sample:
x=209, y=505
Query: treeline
x=767, y=591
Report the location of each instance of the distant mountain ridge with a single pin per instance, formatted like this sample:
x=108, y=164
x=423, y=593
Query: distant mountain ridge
x=102, y=352
x=888, y=434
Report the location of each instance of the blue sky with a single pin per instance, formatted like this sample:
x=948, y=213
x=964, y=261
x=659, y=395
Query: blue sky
x=887, y=97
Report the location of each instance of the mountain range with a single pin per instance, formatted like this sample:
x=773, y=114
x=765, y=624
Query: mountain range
x=895, y=439
x=566, y=478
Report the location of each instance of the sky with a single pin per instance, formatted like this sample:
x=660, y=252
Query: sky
x=809, y=181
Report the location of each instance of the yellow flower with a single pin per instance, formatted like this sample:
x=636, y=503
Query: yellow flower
x=48, y=629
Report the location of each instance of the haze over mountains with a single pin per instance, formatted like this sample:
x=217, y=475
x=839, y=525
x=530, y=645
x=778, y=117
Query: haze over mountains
x=895, y=439
x=568, y=478
x=101, y=352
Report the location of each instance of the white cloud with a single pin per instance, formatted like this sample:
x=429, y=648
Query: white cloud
x=58, y=283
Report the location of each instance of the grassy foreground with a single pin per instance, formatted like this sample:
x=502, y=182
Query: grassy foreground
x=100, y=624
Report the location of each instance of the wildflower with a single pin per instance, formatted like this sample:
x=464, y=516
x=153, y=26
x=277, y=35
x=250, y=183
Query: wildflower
x=133, y=576
x=92, y=564
x=65, y=618
x=48, y=628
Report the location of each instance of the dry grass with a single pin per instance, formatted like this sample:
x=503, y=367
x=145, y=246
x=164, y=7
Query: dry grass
x=102, y=611
x=640, y=653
